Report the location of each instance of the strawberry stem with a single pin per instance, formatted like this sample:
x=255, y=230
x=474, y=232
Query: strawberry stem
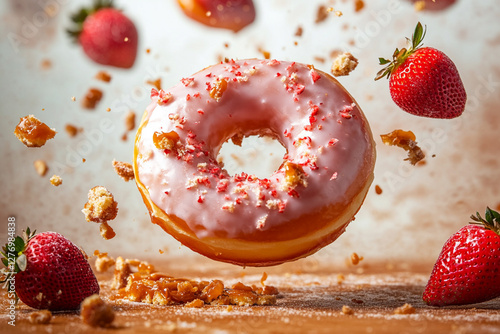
x=399, y=56
x=79, y=17
x=491, y=220
x=14, y=259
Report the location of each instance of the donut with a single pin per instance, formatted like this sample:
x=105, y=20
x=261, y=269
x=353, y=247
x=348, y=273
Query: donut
x=226, y=14
x=303, y=206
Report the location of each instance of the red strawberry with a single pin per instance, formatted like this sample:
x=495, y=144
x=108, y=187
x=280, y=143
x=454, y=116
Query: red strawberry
x=106, y=35
x=424, y=81
x=227, y=14
x=48, y=271
x=468, y=269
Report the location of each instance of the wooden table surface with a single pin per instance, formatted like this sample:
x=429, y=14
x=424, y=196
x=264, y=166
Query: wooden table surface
x=310, y=301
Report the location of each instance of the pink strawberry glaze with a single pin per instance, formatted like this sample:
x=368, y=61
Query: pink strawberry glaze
x=310, y=113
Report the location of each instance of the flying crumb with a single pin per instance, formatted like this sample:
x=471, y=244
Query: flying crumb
x=355, y=259
x=344, y=64
x=72, y=130
x=156, y=83
x=91, y=98
x=103, y=76
x=299, y=31
x=130, y=121
x=124, y=170
x=56, y=180
x=40, y=167
x=419, y=5
x=96, y=313
x=41, y=317
x=32, y=132
x=358, y=5
x=101, y=206
x=321, y=14
x=103, y=262
x=405, y=140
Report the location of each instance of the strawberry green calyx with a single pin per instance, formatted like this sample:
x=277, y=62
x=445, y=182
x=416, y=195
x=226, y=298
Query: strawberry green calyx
x=14, y=259
x=399, y=56
x=491, y=220
x=79, y=17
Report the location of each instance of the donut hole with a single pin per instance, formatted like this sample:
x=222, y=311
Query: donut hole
x=257, y=155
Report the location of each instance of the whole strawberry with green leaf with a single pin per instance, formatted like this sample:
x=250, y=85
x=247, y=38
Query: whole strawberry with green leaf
x=423, y=81
x=48, y=271
x=106, y=35
x=467, y=270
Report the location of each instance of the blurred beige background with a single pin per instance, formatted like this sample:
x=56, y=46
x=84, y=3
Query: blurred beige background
x=419, y=208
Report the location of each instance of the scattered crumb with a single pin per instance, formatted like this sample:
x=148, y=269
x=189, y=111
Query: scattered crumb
x=405, y=140
x=156, y=83
x=299, y=31
x=340, y=279
x=40, y=167
x=130, y=121
x=355, y=259
x=106, y=231
x=358, y=5
x=229, y=308
x=344, y=64
x=108, y=109
x=161, y=251
x=124, y=170
x=347, y=310
x=405, y=309
x=96, y=313
x=32, y=132
x=101, y=206
x=196, y=303
x=103, y=261
x=103, y=76
x=378, y=190
x=91, y=98
x=56, y=180
x=41, y=317
x=72, y=130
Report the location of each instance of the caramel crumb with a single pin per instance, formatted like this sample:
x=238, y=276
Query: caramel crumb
x=103, y=262
x=130, y=121
x=358, y=5
x=72, y=130
x=156, y=83
x=56, y=180
x=40, y=167
x=122, y=271
x=124, y=170
x=294, y=175
x=106, y=231
x=91, y=98
x=344, y=64
x=103, y=76
x=378, y=190
x=347, y=310
x=101, y=206
x=265, y=54
x=263, y=279
x=41, y=317
x=405, y=309
x=165, y=140
x=32, y=132
x=355, y=259
x=96, y=313
x=405, y=140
